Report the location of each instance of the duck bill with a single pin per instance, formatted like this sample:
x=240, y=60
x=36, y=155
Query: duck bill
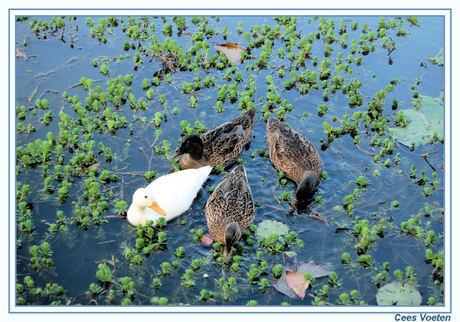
x=155, y=207
x=227, y=255
x=174, y=155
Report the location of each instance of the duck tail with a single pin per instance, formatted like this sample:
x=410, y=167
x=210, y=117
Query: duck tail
x=204, y=172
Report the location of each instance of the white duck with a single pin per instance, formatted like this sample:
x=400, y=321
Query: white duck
x=169, y=196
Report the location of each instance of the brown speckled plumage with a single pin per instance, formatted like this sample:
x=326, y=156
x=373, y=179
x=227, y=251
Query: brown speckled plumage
x=292, y=153
x=223, y=144
x=230, y=202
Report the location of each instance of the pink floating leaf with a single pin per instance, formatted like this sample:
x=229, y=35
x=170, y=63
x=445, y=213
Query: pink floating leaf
x=287, y=288
x=232, y=51
x=297, y=283
x=207, y=239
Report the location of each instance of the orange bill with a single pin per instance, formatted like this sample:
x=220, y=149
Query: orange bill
x=155, y=207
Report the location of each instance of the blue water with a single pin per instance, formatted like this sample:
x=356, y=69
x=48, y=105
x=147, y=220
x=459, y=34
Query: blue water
x=54, y=65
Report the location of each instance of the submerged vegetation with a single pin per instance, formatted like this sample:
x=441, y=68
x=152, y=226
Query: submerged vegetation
x=113, y=114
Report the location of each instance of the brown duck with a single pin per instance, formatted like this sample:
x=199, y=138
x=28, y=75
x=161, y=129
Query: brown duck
x=230, y=210
x=292, y=153
x=219, y=146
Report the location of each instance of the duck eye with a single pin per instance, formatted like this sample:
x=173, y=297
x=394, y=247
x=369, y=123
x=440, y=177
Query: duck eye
x=145, y=197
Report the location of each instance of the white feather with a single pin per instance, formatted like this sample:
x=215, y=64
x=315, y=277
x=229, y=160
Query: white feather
x=174, y=193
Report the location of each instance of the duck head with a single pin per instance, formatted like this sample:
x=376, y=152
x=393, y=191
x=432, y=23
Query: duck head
x=142, y=200
x=306, y=187
x=193, y=145
x=232, y=236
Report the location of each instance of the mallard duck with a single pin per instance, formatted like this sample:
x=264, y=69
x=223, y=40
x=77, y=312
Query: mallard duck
x=219, y=146
x=230, y=210
x=297, y=157
x=169, y=196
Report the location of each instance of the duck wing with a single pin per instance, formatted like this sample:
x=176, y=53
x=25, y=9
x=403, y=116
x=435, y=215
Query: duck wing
x=231, y=201
x=175, y=192
x=290, y=152
x=225, y=143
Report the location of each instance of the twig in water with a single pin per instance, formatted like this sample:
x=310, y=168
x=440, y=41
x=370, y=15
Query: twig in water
x=167, y=62
x=106, y=242
x=121, y=187
x=73, y=86
x=327, y=303
x=62, y=34
x=117, y=170
x=359, y=148
x=135, y=180
x=273, y=207
x=274, y=196
x=115, y=217
x=33, y=94
x=318, y=216
x=143, y=152
x=424, y=155
x=426, y=160
x=49, y=90
x=371, y=204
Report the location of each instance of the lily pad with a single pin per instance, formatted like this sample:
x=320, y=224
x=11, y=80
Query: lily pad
x=269, y=227
x=438, y=59
x=232, y=51
x=423, y=122
x=396, y=293
x=316, y=271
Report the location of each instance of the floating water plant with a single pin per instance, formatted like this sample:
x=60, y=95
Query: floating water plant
x=79, y=153
x=104, y=274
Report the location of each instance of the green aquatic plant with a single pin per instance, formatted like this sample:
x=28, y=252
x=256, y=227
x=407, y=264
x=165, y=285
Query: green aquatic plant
x=165, y=268
x=345, y=258
x=196, y=264
x=104, y=274
x=277, y=270
x=334, y=279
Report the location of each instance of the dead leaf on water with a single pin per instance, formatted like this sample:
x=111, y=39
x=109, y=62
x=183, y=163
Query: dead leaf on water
x=207, y=239
x=95, y=165
x=231, y=50
x=20, y=53
x=316, y=271
x=297, y=283
x=282, y=284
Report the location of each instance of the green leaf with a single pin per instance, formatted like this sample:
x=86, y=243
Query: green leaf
x=104, y=274
x=290, y=253
x=438, y=59
x=423, y=122
x=396, y=293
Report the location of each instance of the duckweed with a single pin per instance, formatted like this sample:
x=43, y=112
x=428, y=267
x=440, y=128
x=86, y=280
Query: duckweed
x=82, y=150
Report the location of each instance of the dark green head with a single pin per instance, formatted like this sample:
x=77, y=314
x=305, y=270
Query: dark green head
x=232, y=236
x=306, y=187
x=193, y=145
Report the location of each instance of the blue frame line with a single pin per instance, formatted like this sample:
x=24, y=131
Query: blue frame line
x=10, y=11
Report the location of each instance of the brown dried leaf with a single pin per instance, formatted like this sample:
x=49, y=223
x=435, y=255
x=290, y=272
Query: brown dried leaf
x=207, y=239
x=231, y=50
x=297, y=283
x=20, y=53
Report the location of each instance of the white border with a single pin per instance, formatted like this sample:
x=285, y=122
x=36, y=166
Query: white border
x=260, y=309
